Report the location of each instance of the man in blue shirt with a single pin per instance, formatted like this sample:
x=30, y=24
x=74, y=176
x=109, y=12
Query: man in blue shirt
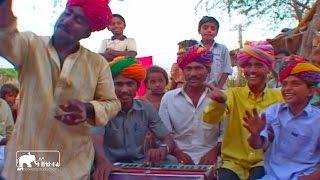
x=290, y=132
x=122, y=139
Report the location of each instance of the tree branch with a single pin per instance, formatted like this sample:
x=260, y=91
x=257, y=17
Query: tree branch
x=304, y=6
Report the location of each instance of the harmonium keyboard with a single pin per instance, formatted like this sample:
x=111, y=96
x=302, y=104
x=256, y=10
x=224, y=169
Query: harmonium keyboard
x=139, y=171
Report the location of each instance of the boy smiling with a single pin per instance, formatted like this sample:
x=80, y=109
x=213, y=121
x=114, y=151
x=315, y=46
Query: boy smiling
x=295, y=150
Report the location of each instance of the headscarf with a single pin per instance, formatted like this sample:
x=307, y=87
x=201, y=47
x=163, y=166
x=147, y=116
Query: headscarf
x=128, y=67
x=262, y=51
x=97, y=11
x=195, y=54
x=301, y=69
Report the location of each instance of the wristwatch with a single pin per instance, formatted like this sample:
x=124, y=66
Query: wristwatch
x=165, y=146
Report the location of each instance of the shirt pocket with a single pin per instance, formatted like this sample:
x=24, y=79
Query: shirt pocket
x=139, y=133
x=294, y=144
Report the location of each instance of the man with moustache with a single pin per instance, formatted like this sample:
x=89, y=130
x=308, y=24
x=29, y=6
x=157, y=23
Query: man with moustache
x=181, y=111
x=65, y=88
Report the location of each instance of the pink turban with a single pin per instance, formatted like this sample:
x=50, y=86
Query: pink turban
x=262, y=51
x=195, y=54
x=97, y=12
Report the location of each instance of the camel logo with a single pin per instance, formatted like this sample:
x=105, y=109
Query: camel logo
x=31, y=160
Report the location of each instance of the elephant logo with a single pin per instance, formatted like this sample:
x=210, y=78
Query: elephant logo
x=26, y=159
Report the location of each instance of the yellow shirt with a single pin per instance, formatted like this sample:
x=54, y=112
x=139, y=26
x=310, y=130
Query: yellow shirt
x=235, y=146
x=6, y=120
x=44, y=85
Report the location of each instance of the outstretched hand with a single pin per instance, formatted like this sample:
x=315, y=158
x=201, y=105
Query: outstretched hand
x=253, y=122
x=73, y=113
x=216, y=94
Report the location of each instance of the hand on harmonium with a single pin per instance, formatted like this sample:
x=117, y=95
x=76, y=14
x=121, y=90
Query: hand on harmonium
x=103, y=169
x=72, y=113
x=253, y=122
x=209, y=158
x=156, y=155
x=182, y=157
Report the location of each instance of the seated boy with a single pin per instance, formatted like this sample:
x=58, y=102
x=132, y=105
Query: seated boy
x=294, y=152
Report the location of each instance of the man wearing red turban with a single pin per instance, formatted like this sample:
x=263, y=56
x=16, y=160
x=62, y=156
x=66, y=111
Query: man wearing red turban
x=65, y=88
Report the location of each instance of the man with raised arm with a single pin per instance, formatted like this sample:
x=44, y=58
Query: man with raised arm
x=64, y=88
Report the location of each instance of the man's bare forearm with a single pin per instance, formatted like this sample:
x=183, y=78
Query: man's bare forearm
x=99, y=154
x=222, y=80
x=124, y=53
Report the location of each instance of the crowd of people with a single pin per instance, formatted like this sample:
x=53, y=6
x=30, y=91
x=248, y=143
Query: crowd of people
x=84, y=104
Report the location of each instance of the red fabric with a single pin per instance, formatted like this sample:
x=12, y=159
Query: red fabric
x=195, y=54
x=146, y=62
x=97, y=12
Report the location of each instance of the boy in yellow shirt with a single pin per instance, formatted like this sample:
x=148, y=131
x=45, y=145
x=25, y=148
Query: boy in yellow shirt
x=240, y=161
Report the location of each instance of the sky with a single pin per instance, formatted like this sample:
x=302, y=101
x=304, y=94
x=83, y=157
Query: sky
x=156, y=25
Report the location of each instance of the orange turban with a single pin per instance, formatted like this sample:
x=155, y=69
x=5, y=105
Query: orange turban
x=261, y=50
x=128, y=67
x=301, y=69
x=97, y=12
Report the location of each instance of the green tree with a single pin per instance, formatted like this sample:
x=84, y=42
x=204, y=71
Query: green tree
x=271, y=11
x=8, y=72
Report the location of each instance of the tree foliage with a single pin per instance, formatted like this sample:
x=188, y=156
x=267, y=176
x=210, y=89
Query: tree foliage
x=11, y=73
x=270, y=11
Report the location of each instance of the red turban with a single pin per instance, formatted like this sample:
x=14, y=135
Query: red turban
x=195, y=54
x=97, y=12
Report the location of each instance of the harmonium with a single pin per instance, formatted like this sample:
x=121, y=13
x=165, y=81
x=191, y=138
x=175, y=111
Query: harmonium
x=139, y=171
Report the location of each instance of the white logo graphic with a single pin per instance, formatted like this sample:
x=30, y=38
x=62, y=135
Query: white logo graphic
x=40, y=160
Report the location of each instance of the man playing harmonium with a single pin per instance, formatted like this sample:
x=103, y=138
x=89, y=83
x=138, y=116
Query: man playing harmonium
x=122, y=139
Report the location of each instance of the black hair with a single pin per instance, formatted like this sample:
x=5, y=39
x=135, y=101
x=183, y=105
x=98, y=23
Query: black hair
x=206, y=19
x=283, y=51
x=156, y=69
x=8, y=88
x=187, y=43
x=120, y=17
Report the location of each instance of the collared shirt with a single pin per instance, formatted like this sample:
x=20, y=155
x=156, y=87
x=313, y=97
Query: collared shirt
x=121, y=38
x=124, y=135
x=221, y=62
x=184, y=120
x=316, y=97
x=127, y=44
x=295, y=150
x=235, y=146
x=6, y=120
x=45, y=84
